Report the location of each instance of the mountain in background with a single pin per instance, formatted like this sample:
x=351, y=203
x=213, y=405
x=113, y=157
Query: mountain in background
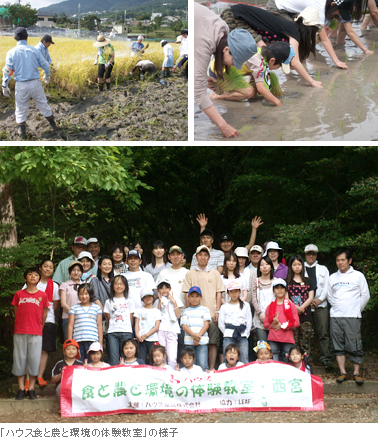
x=70, y=7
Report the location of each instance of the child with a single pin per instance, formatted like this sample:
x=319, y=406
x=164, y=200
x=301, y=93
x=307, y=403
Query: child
x=130, y=353
x=231, y=355
x=169, y=327
x=168, y=58
x=281, y=318
x=95, y=353
x=195, y=322
x=235, y=321
x=187, y=358
x=159, y=356
x=264, y=352
x=297, y=358
x=300, y=291
x=230, y=273
x=147, y=322
x=119, y=313
x=85, y=320
x=269, y=58
x=71, y=355
x=30, y=310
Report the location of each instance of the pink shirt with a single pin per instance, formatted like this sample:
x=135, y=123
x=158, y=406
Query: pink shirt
x=71, y=295
x=282, y=335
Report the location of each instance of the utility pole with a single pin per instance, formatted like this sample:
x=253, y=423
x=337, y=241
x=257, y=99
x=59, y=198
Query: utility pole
x=78, y=24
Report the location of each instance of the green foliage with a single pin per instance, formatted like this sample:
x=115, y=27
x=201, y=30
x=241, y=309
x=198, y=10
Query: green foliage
x=21, y=15
x=88, y=21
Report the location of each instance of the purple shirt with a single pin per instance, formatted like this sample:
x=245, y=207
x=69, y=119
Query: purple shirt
x=281, y=271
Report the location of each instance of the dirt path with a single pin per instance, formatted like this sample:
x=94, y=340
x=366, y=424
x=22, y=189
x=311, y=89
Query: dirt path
x=135, y=112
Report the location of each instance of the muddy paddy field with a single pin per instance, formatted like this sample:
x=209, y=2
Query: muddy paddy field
x=344, y=110
x=133, y=111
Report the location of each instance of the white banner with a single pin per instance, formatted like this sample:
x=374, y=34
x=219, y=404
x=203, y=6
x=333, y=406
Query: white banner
x=87, y=391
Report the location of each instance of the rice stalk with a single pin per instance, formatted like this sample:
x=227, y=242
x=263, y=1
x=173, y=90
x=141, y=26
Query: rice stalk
x=275, y=88
x=232, y=81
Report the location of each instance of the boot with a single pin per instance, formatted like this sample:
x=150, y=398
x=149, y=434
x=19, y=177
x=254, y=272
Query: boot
x=168, y=73
x=100, y=86
x=162, y=74
x=22, y=130
x=108, y=85
x=52, y=122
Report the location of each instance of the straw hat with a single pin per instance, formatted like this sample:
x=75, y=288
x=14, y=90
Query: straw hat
x=101, y=41
x=310, y=17
x=179, y=38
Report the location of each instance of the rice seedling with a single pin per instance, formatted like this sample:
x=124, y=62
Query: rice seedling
x=342, y=124
x=281, y=137
x=333, y=24
x=375, y=83
x=317, y=75
x=374, y=46
x=275, y=85
x=232, y=81
x=359, y=115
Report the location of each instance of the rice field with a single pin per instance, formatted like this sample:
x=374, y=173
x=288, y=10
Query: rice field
x=73, y=59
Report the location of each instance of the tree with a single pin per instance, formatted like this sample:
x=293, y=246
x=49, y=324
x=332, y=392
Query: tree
x=157, y=21
x=176, y=26
x=21, y=15
x=89, y=21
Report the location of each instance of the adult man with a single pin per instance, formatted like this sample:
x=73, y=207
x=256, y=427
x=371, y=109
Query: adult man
x=138, y=279
x=226, y=243
x=216, y=256
x=211, y=285
x=94, y=248
x=255, y=254
x=61, y=273
x=43, y=47
x=255, y=223
x=320, y=315
x=184, y=49
x=23, y=61
x=348, y=295
x=145, y=67
x=137, y=46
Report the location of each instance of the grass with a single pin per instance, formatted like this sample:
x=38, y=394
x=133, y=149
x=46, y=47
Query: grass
x=73, y=70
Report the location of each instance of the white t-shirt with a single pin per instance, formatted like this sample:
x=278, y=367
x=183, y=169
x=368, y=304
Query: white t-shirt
x=223, y=366
x=233, y=315
x=103, y=365
x=297, y=6
x=195, y=370
x=56, y=296
x=138, y=281
x=147, y=319
x=119, y=309
x=243, y=283
x=176, y=279
x=169, y=320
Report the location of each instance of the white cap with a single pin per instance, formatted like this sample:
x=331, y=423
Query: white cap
x=241, y=251
x=85, y=254
x=257, y=248
x=234, y=285
x=95, y=347
x=272, y=245
x=311, y=248
x=203, y=247
x=144, y=293
x=93, y=240
x=163, y=281
x=279, y=281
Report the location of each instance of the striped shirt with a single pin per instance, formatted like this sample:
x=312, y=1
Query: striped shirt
x=194, y=318
x=85, y=325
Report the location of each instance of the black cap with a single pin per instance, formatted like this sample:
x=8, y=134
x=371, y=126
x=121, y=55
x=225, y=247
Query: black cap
x=47, y=38
x=280, y=50
x=206, y=232
x=20, y=33
x=226, y=237
x=184, y=31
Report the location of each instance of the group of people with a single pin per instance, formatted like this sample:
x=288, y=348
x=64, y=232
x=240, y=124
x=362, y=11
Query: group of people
x=232, y=306
x=284, y=34
x=23, y=63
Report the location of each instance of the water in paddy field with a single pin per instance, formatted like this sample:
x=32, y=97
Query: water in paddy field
x=344, y=110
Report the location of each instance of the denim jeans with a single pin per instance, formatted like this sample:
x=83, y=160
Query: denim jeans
x=115, y=340
x=262, y=334
x=65, y=328
x=279, y=350
x=242, y=344
x=180, y=346
x=201, y=352
x=84, y=346
x=144, y=349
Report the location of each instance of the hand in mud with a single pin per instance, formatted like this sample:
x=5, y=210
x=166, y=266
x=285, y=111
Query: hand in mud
x=317, y=84
x=210, y=82
x=368, y=52
x=228, y=131
x=341, y=65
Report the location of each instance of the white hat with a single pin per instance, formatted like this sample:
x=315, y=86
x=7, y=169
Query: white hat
x=86, y=254
x=272, y=245
x=310, y=17
x=234, y=285
x=279, y=281
x=163, y=281
x=311, y=248
x=179, y=38
x=95, y=347
x=203, y=247
x=241, y=251
x=145, y=292
x=257, y=248
x=92, y=240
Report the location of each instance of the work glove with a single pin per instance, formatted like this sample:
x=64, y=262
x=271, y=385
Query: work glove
x=6, y=91
x=95, y=62
x=107, y=64
x=46, y=79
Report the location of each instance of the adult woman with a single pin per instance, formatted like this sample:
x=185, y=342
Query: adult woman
x=231, y=273
x=243, y=261
x=89, y=266
x=68, y=292
x=275, y=253
x=268, y=28
x=213, y=37
x=101, y=282
x=117, y=254
x=159, y=260
x=290, y=8
x=262, y=295
x=104, y=60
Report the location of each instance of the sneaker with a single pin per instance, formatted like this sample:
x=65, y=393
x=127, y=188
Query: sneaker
x=27, y=382
x=343, y=377
x=328, y=365
x=20, y=395
x=41, y=382
x=358, y=379
x=31, y=394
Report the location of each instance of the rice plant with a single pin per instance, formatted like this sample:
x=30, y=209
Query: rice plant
x=232, y=81
x=275, y=85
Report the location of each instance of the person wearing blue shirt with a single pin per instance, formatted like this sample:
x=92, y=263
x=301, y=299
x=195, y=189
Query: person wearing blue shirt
x=43, y=47
x=23, y=61
x=137, y=46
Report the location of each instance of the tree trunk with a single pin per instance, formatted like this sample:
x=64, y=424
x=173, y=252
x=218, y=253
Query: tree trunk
x=8, y=231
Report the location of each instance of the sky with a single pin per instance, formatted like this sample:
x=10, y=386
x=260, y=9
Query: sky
x=37, y=4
